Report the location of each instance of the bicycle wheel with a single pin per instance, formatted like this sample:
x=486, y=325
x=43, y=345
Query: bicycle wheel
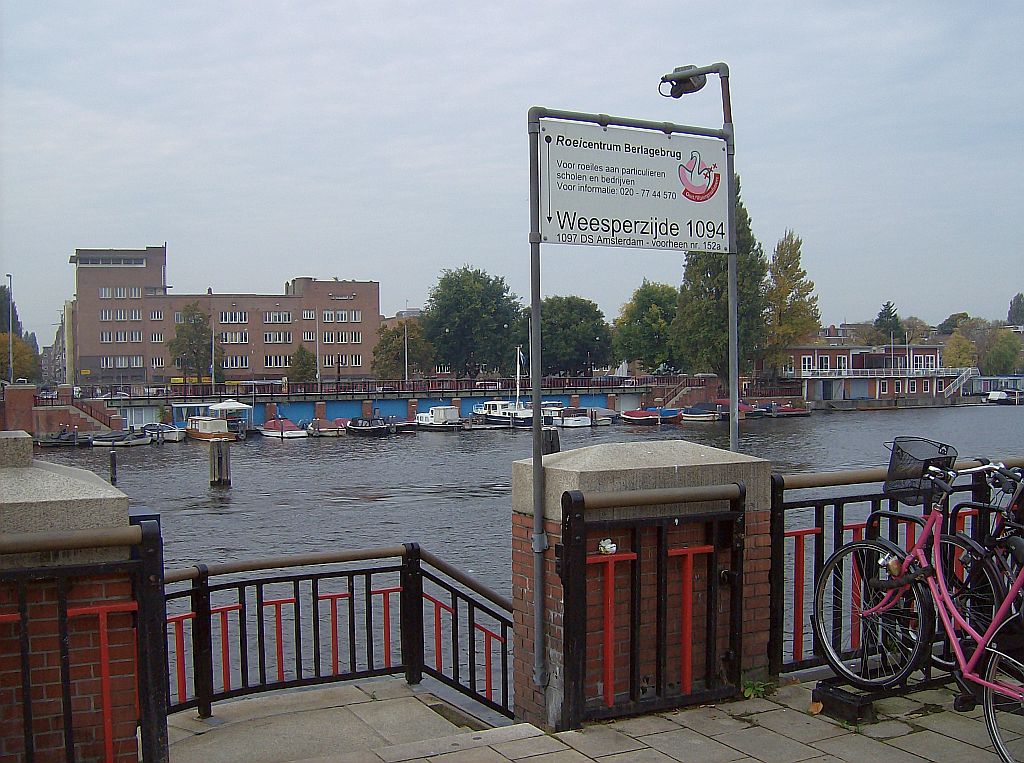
x=874, y=650
x=974, y=586
x=1004, y=716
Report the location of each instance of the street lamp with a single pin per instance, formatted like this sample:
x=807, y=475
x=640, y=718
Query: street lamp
x=10, y=326
x=685, y=80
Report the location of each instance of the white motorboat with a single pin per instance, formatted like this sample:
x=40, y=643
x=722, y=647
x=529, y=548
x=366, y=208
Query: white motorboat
x=440, y=418
x=579, y=417
x=164, y=432
x=281, y=429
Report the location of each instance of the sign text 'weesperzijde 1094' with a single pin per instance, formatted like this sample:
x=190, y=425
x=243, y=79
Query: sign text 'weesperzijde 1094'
x=606, y=186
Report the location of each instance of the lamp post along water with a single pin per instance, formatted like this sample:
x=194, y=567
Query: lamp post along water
x=10, y=327
x=685, y=80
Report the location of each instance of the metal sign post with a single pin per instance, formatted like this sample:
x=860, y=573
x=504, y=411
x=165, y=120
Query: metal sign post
x=597, y=180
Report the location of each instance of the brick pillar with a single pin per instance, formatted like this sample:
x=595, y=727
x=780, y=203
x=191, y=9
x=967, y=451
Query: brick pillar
x=413, y=409
x=18, y=402
x=102, y=667
x=613, y=401
x=574, y=401
x=270, y=411
x=457, y=402
x=320, y=409
x=367, y=408
x=621, y=466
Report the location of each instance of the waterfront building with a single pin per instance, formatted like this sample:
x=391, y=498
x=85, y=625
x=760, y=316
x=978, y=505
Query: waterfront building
x=124, y=314
x=896, y=373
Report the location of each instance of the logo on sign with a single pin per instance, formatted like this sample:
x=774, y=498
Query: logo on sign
x=700, y=182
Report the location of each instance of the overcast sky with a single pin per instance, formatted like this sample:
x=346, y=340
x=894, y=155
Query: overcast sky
x=387, y=141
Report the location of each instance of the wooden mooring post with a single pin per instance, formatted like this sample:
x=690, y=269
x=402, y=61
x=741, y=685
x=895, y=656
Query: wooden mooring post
x=220, y=463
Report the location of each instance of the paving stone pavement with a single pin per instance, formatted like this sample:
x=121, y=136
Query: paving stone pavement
x=386, y=721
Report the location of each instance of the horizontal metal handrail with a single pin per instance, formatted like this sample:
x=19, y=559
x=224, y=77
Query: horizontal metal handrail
x=658, y=496
x=72, y=540
x=289, y=560
x=863, y=476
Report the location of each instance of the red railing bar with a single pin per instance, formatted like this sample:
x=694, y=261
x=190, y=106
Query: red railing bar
x=277, y=604
x=686, y=612
x=333, y=598
x=609, y=561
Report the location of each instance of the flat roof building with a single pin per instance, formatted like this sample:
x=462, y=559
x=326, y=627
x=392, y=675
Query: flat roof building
x=124, y=315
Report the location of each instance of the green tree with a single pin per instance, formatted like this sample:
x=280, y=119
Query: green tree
x=6, y=313
x=1003, y=356
x=643, y=328
x=389, y=354
x=575, y=336
x=191, y=343
x=888, y=323
x=959, y=352
x=951, y=323
x=303, y=367
x=1015, y=315
x=470, y=320
x=981, y=332
x=700, y=332
x=792, y=307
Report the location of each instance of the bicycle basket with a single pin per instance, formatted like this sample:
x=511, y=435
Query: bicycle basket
x=909, y=462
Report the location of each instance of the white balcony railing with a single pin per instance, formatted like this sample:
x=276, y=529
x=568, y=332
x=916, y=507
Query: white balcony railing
x=878, y=373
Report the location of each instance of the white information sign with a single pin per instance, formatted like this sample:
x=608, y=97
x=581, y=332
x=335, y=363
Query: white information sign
x=608, y=186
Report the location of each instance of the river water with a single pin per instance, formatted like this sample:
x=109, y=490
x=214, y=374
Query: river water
x=451, y=492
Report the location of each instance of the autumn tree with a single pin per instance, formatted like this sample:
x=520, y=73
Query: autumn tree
x=643, y=328
x=470, y=320
x=951, y=323
x=1003, y=355
x=390, y=353
x=1015, y=315
x=191, y=344
x=959, y=352
x=791, y=312
x=303, y=367
x=700, y=332
x=915, y=328
x=26, y=362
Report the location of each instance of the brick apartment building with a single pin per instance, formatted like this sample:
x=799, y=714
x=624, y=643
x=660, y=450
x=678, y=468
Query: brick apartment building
x=123, y=316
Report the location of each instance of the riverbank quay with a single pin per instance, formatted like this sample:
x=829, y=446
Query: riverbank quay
x=387, y=721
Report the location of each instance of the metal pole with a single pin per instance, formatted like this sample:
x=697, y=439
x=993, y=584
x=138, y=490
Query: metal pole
x=10, y=327
x=540, y=539
x=734, y=340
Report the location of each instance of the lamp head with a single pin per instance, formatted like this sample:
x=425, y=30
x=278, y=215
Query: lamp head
x=683, y=85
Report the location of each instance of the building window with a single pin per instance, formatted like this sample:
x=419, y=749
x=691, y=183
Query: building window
x=940, y=384
x=343, y=361
x=120, y=292
x=898, y=386
x=157, y=362
x=135, y=336
x=309, y=315
x=121, y=361
x=356, y=360
x=329, y=337
x=234, y=337
x=234, y=316
x=106, y=292
x=179, y=318
x=277, y=337
x=137, y=361
x=328, y=316
x=342, y=337
x=357, y=316
x=106, y=337
x=135, y=292
x=135, y=315
x=156, y=336
x=342, y=316
x=841, y=362
x=121, y=336
x=308, y=336
x=277, y=361
x=912, y=386
x=926, y=386
x=236, y=361
x=156, y=315
x=883, y=387
x=277, y=316
x=823, y=362
x=806, y=363
x=106, y=362
x=106, y=315
x=357, y=337
x=328, y=361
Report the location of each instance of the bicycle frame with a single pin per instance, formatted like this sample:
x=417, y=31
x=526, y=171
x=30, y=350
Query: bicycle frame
x=927, y=542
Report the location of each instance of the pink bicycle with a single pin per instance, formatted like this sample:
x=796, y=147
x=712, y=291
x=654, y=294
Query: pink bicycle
x=875, y=604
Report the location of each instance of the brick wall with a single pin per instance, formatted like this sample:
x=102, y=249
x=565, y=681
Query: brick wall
x=102, y=671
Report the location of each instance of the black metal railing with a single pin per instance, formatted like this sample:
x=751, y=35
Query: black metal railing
x=65, y=623
x=678, y=569
x=319, y=618
x=811, y=517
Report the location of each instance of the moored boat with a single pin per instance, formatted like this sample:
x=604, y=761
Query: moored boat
x=115, y=439
x=326, y=428
x=1011, y=397
x=65, y=438
x=696, y=413
x=208, y=428
x=513, y=414
x=401, y=426
x=368, y=426
x=164, y=432
x=640, y=416
x=570, y=418
x=281, y=429
x=786, y=410
x=440, y=418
